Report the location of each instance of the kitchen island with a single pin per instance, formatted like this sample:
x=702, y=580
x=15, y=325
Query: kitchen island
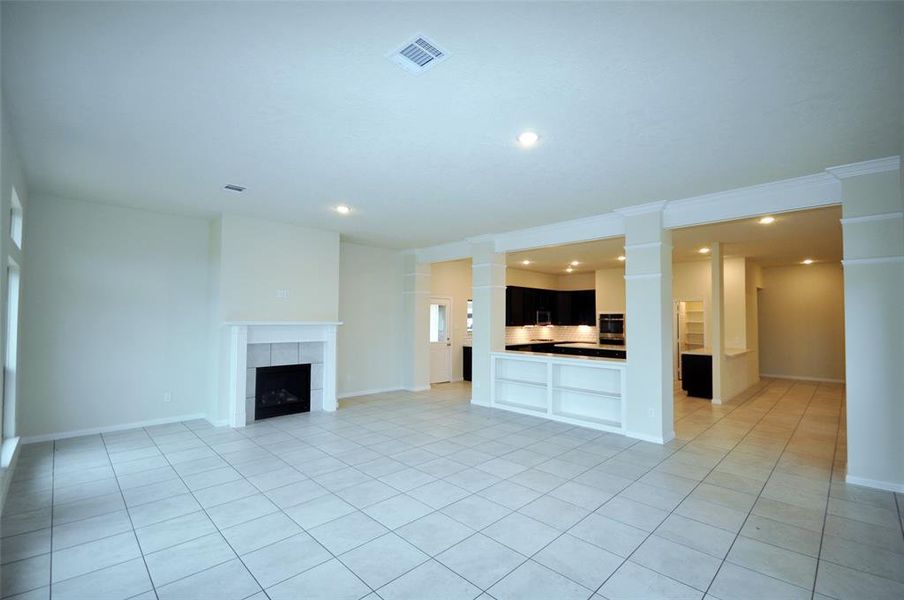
x=579, y=390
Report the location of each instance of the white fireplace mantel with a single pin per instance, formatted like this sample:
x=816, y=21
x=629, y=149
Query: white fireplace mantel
x=239, y=334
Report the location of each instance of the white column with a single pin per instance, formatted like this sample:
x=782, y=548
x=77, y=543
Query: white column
x=416, y=291
x=488, y=281
x=873, y=230
x=648, y=327
x=717, y=319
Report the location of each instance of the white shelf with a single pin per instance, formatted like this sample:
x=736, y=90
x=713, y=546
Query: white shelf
x=521, y=382
x=565, y=388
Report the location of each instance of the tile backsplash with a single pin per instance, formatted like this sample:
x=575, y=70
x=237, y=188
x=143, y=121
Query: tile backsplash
x=570, y=333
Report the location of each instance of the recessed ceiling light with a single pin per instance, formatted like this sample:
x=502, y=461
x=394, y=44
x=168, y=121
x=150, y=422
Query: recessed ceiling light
x=525, y=262
x=343, y=209
x=767, y=220
x=807, y=261
x=575, y=263
x=569, y=270
x=703, y=250
x=622, y=258
x=528, y=139
x=234, y=188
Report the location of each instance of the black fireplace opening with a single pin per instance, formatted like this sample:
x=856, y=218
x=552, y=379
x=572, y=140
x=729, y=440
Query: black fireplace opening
x=282, y=390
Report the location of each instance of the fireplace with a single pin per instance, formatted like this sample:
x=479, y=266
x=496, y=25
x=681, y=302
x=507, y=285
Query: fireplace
x=282, y=390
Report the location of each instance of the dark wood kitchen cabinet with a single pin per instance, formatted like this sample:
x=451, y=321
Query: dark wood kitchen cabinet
x=571, y=307
x=466, y=363
x=697, y=375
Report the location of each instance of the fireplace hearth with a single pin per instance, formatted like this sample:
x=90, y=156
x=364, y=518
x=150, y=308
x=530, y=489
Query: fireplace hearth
x=282, y=390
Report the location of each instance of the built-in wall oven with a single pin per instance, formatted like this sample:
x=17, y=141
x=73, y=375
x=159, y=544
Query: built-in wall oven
x=612, y=328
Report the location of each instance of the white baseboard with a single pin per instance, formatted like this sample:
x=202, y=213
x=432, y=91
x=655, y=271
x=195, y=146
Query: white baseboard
x=801, y=378
x=46, y=437
x=355, y=394
x=426, y=388
x=651, y=438
x=873, y=483
x=9, y=456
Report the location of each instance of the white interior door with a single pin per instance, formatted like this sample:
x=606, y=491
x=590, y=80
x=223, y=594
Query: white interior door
x=440, y=340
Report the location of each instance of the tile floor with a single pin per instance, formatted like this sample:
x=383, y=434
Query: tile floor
x=422, y=496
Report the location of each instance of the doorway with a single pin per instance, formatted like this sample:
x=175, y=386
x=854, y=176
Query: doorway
x=440, y=329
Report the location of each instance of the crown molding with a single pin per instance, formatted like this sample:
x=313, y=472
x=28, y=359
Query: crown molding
x=585, y=229
x=642, y=209
x=872, y=218
x=786, y=195
x=867, y=167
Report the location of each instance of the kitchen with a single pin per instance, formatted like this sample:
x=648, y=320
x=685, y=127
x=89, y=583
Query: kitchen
x=566, y=305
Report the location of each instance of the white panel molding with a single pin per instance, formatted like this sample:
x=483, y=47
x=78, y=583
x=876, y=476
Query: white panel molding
x=62, y=435
x=642, y=209
x=643, y=276
x=444, y=252
x=598, y=227
x=787, y=195
x=867, y=167
x=877, y=260
x=873, y=483
x=645, y=245
x=872, y=218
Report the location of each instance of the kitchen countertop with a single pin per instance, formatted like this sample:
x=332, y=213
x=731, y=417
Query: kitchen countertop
x=730, y=352
x=591, y=346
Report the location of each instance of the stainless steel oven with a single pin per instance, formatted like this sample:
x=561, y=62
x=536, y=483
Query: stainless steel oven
x=612, y=328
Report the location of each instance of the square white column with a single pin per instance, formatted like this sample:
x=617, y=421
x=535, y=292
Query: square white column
x=416, y=293
x=717, y=320
x=488, y=281
x=648, y=326
x=873, y=233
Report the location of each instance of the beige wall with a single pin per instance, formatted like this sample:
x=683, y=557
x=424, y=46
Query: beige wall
x=369, y=351
x=523, y=278
x=801, y=322
x=576, y=281
x=610, y=290
x=259, y=257
x=453, y=279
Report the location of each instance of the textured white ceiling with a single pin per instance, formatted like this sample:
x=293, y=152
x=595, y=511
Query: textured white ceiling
x=814, y=234
x=159, y=105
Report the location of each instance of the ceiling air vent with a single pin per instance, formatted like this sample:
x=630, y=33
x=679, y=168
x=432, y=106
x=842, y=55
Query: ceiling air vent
x=418, y=55
x=234, y=188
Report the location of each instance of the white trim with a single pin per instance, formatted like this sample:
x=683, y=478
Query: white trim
x=642, y=209
x=644, y=245
x=344, y=395
x=787, y=195
x=606, y=225
x=867, y=167
x=422, y=388
x=871, y=218
x=444, y=252
x=643, y=276
x=497, y=265
x=876, y=260
x=62, y=435
x=488, y=287
x=656, y=439
x=875, y=483
x=417, y=274
x=9, y=456
x=802, y=378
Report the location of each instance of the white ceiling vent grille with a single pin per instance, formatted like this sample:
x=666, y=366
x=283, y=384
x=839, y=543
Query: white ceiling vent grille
x=418, y=54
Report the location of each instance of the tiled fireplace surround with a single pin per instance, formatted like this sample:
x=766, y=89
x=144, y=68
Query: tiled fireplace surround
x=285, y=353
x=249, y=345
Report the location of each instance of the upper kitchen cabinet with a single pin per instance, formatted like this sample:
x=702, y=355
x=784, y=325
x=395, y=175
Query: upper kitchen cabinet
x=564, y=307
